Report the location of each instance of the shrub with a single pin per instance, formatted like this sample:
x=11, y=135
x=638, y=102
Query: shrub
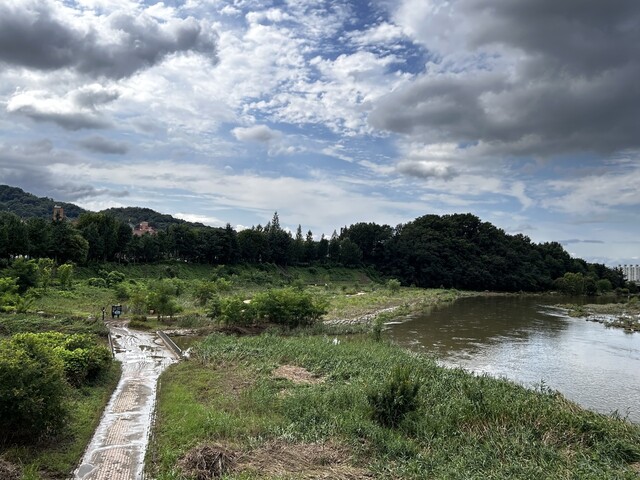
x=214, y=307
x=161, y=298
x=234, y=311
x=204, y=291
x=122, y=291
x=8, y=294
x=25, y=272
x=395, y=398
x=97, y=282
x=33, y=390
x=114, y=278
x=393, y=285
x=65, y=275
x=288, y=306
x=82, y=358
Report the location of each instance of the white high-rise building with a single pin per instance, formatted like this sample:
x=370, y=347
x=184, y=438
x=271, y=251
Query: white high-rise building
x=631, y=272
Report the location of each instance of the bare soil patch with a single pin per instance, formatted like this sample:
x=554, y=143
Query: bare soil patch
x=298, y=375
x=275, y=459
x=9, y=471
x=208, y=461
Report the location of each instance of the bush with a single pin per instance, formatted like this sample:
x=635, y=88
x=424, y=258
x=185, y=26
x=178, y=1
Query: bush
x=395, y=398
x=9, y=296
x=204, y=291
x=161, y=298
x=82, y=358
x=122, y=291
x=114, y=278
x=97, y=282
x=25, y=272
x=234, y=311
x=288, y=307
x=393, y=285
x=33, y=390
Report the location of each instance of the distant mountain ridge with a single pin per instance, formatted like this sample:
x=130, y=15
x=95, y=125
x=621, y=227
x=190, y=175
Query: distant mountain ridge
x=135, y=215
x=26, y=205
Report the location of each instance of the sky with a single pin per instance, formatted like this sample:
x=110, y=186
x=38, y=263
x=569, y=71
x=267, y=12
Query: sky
x=525, y=113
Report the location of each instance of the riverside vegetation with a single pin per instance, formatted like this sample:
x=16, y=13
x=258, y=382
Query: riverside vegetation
x=306, y=399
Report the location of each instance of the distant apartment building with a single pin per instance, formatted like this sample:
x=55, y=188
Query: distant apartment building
x=142, y=228
x=631, y=272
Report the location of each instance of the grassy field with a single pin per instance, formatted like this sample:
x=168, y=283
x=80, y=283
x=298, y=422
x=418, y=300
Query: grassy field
x=351, y=295
x=296, y=407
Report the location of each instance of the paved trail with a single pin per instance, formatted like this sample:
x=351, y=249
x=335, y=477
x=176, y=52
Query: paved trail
x=117, y=449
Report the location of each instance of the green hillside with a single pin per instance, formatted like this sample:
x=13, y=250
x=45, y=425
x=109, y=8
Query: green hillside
x=27, y=205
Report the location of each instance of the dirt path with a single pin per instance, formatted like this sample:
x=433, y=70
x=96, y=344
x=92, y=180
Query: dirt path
x=117, y=449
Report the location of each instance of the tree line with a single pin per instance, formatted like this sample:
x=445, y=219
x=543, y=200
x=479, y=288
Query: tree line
x=452, y=251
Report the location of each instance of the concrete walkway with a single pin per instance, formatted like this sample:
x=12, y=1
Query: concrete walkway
x=117, y=449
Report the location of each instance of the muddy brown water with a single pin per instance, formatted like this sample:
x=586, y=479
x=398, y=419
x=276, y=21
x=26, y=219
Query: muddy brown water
x=529, y=342
x=117, y=449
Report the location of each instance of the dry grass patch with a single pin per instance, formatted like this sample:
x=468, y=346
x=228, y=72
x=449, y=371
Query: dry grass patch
x=208, y=461
x=297, y=375
x=9, y=471
x=275, y=459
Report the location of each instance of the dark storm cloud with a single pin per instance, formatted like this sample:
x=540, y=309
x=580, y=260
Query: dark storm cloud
x=426, y=170
x=67, y=120
x=32, y=36
x=100, y=144
x=582, y=37
x=75, y=111
x=72, y=192
x=564, y=79
x=25, y=166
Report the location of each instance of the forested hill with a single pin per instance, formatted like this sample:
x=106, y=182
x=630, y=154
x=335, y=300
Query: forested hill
x=458, y=250
x=27, y=205
x=135, y=215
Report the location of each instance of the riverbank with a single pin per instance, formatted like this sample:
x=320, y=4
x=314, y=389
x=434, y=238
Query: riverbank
x=307, y=407
x=615, y=315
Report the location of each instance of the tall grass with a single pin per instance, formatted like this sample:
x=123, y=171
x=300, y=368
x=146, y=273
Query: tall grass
x=462, y=426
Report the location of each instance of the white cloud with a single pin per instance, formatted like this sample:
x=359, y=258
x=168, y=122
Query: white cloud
x=256, y=133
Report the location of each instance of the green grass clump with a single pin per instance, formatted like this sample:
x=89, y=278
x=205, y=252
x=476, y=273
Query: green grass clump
x=458, y=426
x=60, y=455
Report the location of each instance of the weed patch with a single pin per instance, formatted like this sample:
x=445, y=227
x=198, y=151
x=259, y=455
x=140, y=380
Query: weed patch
x=446, y=423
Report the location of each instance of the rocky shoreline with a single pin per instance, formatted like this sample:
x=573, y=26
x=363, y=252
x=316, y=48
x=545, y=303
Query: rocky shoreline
x=612, y=315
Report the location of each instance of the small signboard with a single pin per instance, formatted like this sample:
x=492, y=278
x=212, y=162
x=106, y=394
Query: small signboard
x=116, y=311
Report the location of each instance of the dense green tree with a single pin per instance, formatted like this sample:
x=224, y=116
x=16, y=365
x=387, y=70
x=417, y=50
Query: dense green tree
x=333, y=250
x=370, y=239
x=350, y=253
x=310, y=248
x=107, y=237
x=67, y=244
x=322, y=252
x=14, y=238
x=279, y=242
x=253, y=244
x=39, y=232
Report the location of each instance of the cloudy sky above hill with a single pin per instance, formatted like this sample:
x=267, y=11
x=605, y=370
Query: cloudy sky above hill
x=524, y=113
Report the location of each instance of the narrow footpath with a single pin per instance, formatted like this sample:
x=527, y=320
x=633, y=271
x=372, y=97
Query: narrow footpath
x=117, y=449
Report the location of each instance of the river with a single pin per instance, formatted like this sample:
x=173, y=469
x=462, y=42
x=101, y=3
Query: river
x=523, y=339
